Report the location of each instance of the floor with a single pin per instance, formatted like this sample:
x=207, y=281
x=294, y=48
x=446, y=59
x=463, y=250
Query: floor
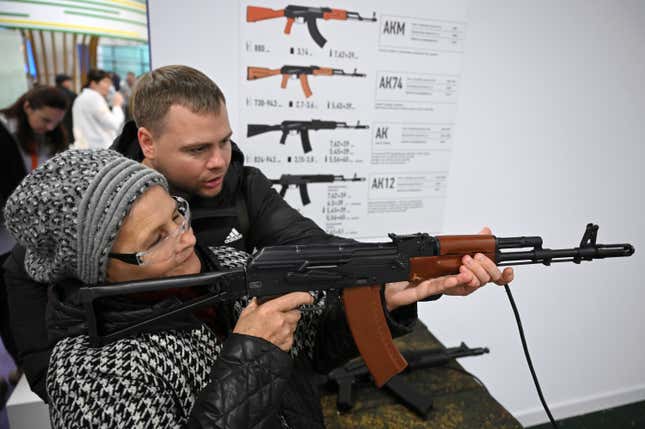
x=629, y=416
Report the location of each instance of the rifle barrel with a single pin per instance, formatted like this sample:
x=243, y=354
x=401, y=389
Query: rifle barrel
x=357, y=16
x=577, y=254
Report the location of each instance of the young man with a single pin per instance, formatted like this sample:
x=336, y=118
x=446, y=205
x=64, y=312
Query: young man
x=181, y=129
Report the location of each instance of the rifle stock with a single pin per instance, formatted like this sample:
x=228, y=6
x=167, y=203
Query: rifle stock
x=253, y=73
x=255, y=129
x=255, y=13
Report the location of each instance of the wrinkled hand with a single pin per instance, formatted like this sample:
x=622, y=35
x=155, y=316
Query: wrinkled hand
x=473, y=274
x=275, y=320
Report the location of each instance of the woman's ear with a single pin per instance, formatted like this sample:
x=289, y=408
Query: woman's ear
x=27, y=107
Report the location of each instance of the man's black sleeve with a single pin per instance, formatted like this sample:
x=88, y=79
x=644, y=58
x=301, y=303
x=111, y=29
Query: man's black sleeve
x=27, y=304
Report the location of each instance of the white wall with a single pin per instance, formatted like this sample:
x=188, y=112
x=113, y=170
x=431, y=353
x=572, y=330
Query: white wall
x=196, y=35
x=550, y=135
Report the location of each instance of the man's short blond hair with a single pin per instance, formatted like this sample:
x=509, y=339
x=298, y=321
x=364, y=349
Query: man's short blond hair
x=156, y=91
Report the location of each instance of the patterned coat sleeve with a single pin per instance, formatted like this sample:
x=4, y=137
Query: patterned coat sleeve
x=167, y=380
x=115, y=386
x=118, y=403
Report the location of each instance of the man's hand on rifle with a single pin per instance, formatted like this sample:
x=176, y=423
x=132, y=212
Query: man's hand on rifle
x=473, y=274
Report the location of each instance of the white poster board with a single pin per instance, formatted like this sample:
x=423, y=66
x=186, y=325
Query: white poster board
x=382, y=147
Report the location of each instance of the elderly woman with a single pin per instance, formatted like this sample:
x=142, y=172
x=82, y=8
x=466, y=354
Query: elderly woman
x=91, y=217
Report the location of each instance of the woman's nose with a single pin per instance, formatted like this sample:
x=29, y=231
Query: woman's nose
x=187, y=239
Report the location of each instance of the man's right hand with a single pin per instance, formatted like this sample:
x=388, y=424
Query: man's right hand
x=275, y=320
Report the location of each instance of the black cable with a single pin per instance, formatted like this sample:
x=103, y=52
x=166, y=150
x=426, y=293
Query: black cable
x=528, y=357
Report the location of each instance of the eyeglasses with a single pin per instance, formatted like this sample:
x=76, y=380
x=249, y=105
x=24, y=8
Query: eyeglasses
x=164, y=249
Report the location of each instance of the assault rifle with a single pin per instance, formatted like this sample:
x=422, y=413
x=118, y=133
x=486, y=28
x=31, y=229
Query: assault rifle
x=304, y=14
x=360, y=270
x=302, y=180
x=347, y=376
x=300, y=72
x=301, y=127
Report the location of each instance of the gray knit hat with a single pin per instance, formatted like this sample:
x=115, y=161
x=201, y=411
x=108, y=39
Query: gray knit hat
x=67, y=212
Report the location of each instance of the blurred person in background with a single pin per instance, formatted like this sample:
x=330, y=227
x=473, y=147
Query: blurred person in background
x=30, y=133
x=114, y=88
x=65, y=84
x=127, y=86
x=95, y=124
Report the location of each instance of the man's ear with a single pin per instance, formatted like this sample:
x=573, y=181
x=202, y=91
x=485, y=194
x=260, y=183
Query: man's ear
x=146, y=142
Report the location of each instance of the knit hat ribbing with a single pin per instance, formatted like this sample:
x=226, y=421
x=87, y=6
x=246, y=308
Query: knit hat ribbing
x=67, y=212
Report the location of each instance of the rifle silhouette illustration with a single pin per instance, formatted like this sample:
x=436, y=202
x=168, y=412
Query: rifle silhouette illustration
x=308, y=15
x=299, y=72
x=302, y=180
x=300, y=127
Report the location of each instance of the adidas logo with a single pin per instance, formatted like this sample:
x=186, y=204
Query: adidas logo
x=234, y=235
